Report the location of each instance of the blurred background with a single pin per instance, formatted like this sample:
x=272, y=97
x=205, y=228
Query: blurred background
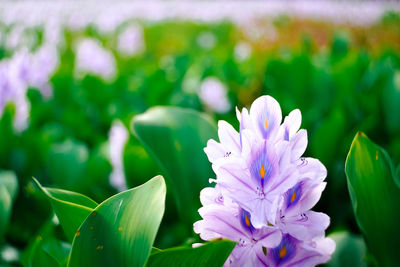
x=74, y=74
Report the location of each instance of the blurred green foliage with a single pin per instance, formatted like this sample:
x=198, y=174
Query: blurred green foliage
x=176, y=138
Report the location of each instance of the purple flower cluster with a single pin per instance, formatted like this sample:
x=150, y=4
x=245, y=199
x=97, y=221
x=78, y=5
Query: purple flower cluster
x=264, y=191
x=22, y=71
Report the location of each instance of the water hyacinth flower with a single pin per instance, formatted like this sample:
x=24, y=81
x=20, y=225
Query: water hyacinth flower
x=92, y=58
x=43, y=64
x=14, y=75
x=242, y=51
x=293, y=252
x=223, y=218
x=269, y=188
x=214, y=95
x=206, y=40
x=131, y=41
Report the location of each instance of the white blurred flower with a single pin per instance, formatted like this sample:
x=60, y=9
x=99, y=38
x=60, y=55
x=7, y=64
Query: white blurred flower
x=206, y=40
x=118, y=137
x=43, y=64
x=14, y=75
x=259, y=31
x=131, y=41
x=53, y=33
x=214, y=95
x=242, y=51
x=9, y=253
x=14, y=37
x=22, y=71
x=5, y=86
x=93, y=58
x=21, y=37
x=77, y=21
x=107, y=22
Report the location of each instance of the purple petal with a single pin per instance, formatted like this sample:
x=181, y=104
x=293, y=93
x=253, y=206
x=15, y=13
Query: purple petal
x=218, y=221
x=214, y=150
x=292, y=252
x=306, y=226
x=298, y=144
x=266, y=116
x=302, y=197
x=312, y=197
x=269, y=237
x=313, y=253
x=228, y=136
x=291, y=124
x=211, y=195
x=312, y=168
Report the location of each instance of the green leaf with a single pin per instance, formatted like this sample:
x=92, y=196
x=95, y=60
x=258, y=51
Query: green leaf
x=375, y=198
x=175, y=137
x=45, y=249
x=8, y=192
x=49, y=252
x=71, y=208
x=67, y=163
x=391, y=103
x=212, y=253
x=350, y=250
x=122, y=229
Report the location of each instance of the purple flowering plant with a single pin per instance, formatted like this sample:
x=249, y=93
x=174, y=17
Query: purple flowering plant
x=265, y=190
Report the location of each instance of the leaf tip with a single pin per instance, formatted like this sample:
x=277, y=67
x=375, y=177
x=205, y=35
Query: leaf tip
x=36, y=181
x=159, y=179
x=359, y=136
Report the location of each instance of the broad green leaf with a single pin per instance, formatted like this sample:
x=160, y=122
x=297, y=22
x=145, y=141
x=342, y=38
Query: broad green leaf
x=175, y=137
x=375, y=198
x=71, y=208
x=122, y=229
x=45, y=250
x=350, y=250
x=212, y=253
x=8, y=192
x=49, y=252
x=67, y=163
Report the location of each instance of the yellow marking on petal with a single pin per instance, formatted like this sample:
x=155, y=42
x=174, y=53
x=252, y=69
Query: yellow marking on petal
x=282, y=252
x=262, y=172
x=99, y=247
x=293, y=197
x=376, y=155
x=247, y=221
x=266, y=124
